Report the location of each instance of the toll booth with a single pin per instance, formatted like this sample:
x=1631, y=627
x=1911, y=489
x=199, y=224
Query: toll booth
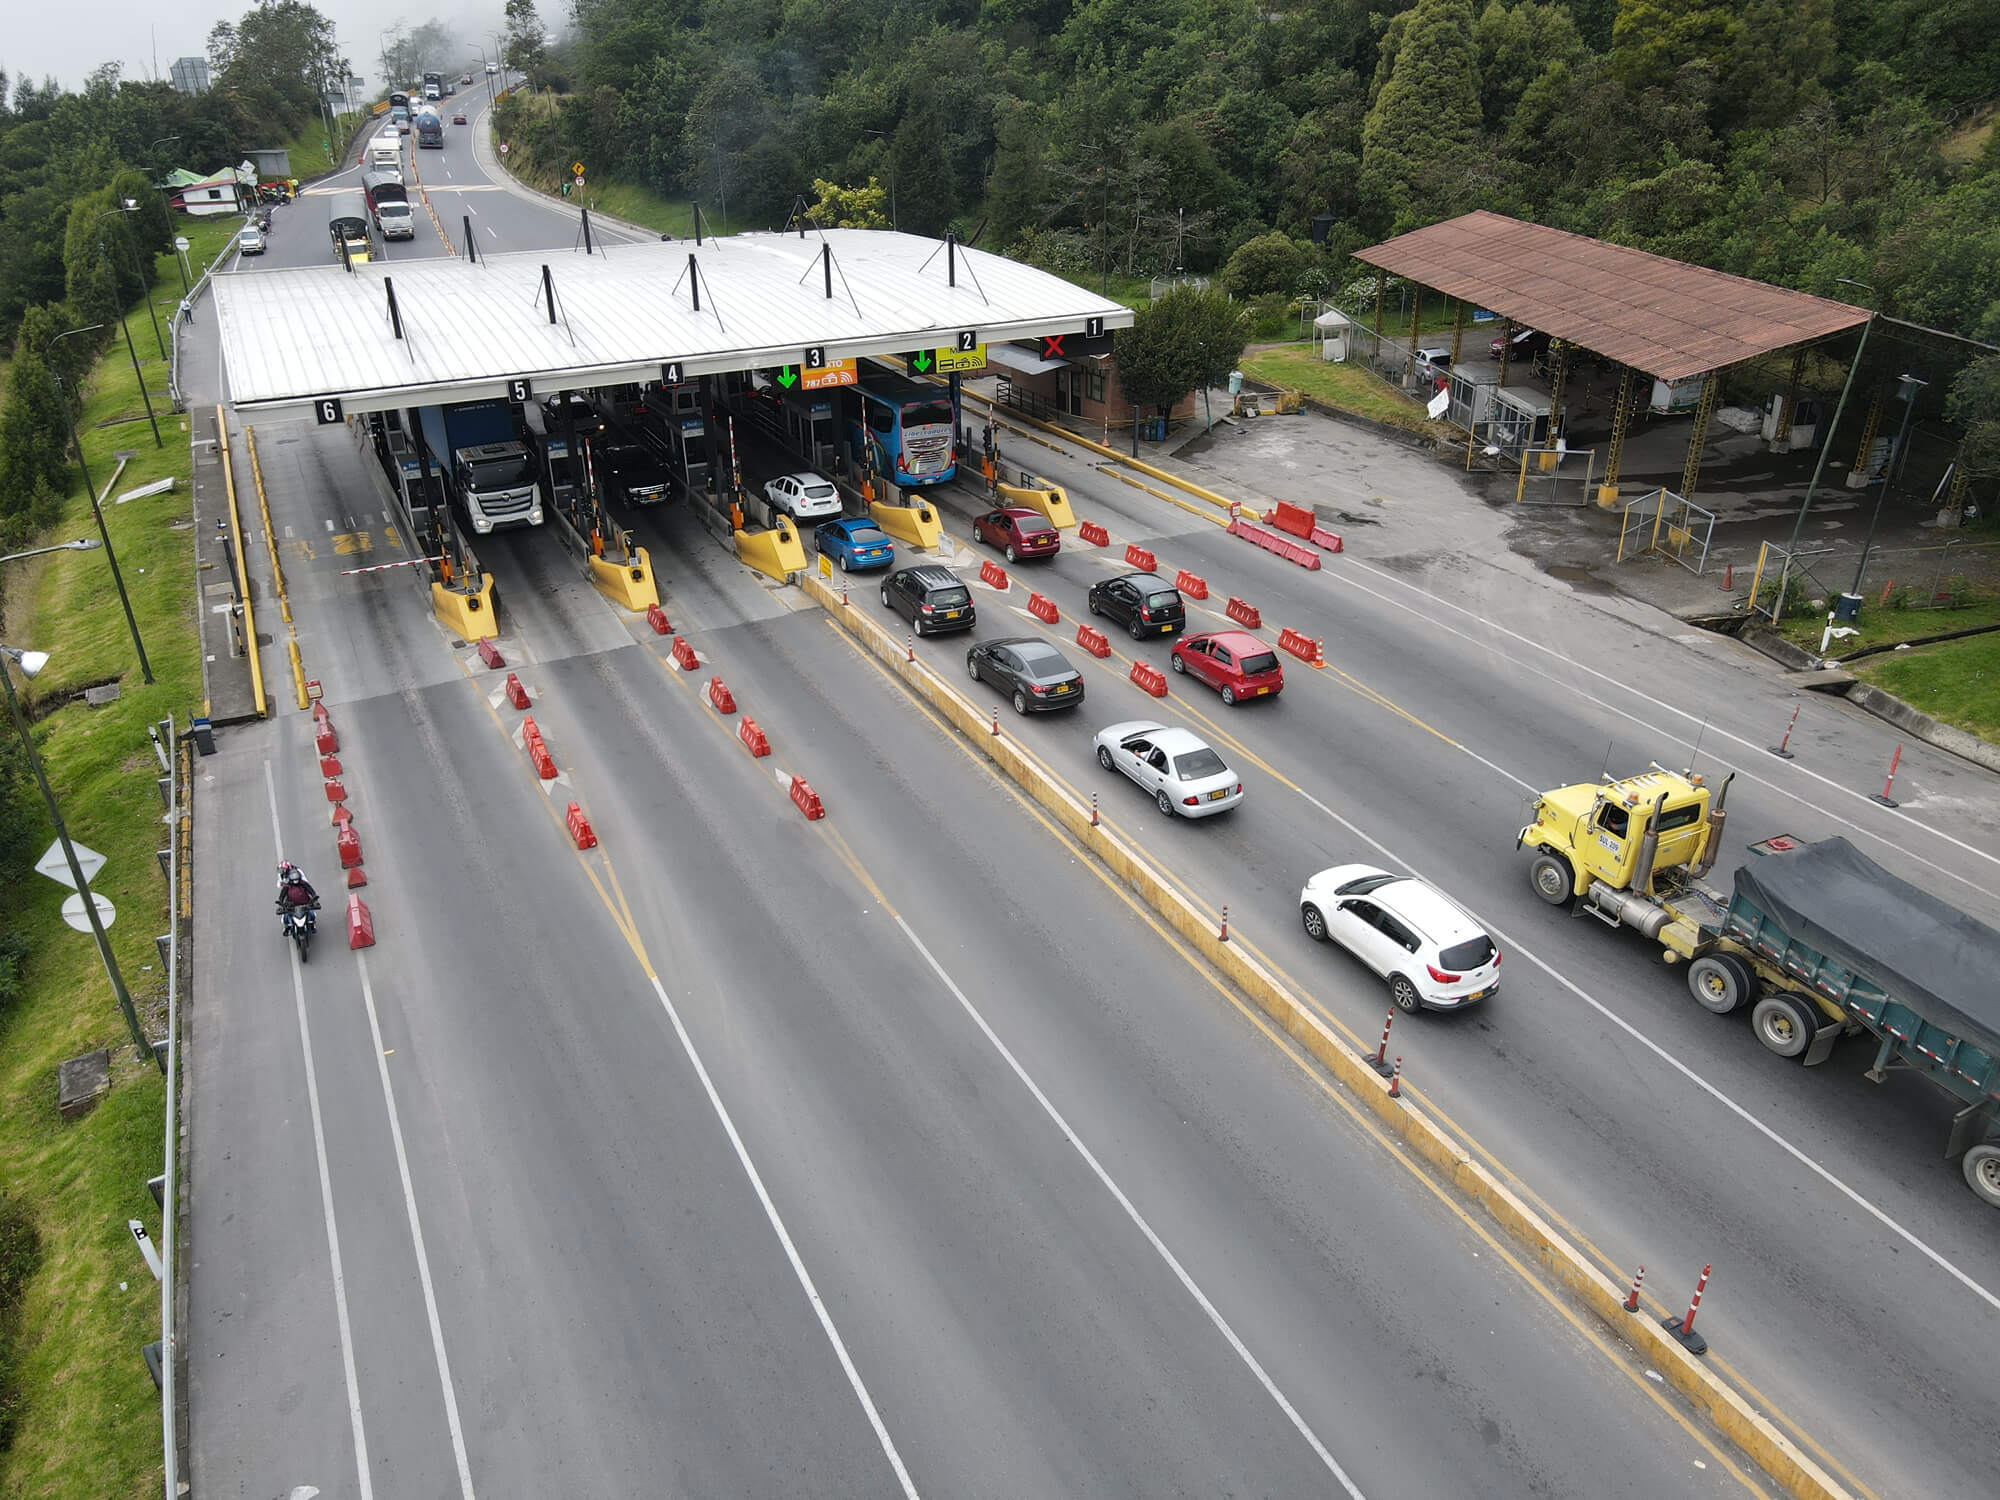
x=812, y=428
x=423, y=496
x=685, y=437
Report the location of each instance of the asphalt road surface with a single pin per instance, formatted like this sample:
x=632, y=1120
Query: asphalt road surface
x=901, y=1153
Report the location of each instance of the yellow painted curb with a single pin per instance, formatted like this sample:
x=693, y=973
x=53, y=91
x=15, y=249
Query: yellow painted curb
x=1111, y=453
x=778, y=552
x=1763, y=1442
x=298, y=669
x=916, y=524
x=630, y=584
x=242, y=569
x=1051, y=502
x=471, y=615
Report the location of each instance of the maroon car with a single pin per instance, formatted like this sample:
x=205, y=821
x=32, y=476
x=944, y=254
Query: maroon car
x=1236, y=663
x=1019, y=532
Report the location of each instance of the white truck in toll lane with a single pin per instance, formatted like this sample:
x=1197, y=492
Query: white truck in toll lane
x=488, y=469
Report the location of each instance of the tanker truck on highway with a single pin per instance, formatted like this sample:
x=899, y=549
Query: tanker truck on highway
x=1816, y=938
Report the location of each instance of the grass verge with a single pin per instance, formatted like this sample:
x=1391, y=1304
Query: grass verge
x=86, y=1418
x=1298, y=368
x=1955, y=682
x=1884, y=626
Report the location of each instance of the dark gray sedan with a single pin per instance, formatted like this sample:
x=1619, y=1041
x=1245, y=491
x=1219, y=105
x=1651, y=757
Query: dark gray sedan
x=1039, y=677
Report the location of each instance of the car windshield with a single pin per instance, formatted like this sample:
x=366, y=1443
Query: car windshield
x=950, y=598
x=817, y=491
x=1263, y=661
x=496, y=473
x=1166, y=600
x=1473, y=953
x=927, y=414
x=1198, y=763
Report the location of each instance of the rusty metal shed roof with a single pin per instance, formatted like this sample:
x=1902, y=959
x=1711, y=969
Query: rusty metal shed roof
x=1664, y=317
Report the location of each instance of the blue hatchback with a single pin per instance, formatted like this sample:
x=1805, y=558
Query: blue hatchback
x=855, y=544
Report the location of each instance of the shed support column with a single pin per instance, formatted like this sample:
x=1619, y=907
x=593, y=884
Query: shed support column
x=1558, y=383
x=1457, y=333
x=1506, y=350
x=1781, y=435
x=1859, y=474
x=1711, y=387
x=1381, y=292
x=1954, y=500
x=1621, y=423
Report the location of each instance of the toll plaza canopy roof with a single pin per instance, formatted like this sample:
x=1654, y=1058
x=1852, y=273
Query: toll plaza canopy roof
x=1664, y=317
x=296, y=338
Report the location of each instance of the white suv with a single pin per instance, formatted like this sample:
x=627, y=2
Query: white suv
x=1426, y=945
x=804, y=497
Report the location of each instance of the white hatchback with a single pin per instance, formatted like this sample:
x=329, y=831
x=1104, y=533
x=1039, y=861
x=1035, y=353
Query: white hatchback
x=1186, y=778
x=1426, y=945
x=804, y=497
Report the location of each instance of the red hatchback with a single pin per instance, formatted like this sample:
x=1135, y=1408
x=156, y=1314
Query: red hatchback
x=1235, y=662
x=1019, y=532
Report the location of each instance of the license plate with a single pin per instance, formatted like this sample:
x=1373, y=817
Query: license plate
x=1166, y=630
x=951, y=614
x=1064, y=687
x=1218, y=796
x=1262, y=691
x=1477, y=995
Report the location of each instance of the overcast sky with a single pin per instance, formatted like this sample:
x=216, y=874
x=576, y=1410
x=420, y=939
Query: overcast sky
x=69, y=39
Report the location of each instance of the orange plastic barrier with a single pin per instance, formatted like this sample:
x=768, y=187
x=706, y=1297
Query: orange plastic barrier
x=720, y=696
x=348, y=842
x=991, y=572
x=1191, y=584
x=579, y=828
x=1294, y=519
x=754, y=739
x=516, y=694
x=329, y=766
x=1043, y=609
x=657, y=618
x=325, y=740
x=1245, y=614
x=684, y=656
x=335, y=790
x=360, y=925
x=1151, y=678
x=1139, y=557
x=1270, y=541
x=1092, y=640
x=1093, y=533
x=807, y=799
x=490, y=653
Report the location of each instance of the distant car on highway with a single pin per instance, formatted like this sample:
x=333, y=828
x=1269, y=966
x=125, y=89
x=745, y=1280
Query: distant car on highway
x=1235, y=663
x=1035, y=675
x=932, y=598
x=1019, y=532
x=855, y=545
x=1141, y=603
x=803, y=496
x=633, y=475
x=1186, y=778
x=459, y=118
x=1429, y=949
x=250, y=240
x=468, y=78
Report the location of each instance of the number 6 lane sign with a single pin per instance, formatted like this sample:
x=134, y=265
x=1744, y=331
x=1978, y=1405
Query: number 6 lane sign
x=329, y=410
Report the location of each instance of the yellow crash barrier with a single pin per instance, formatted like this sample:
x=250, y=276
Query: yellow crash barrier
x=471, y=615
x=916, y=524
x=630, y=584
x=778, y=552
x=1051, y=502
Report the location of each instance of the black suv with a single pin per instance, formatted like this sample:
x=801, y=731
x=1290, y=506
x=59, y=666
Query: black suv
x=1141, y=603
x=932, y=598
x=632, y=476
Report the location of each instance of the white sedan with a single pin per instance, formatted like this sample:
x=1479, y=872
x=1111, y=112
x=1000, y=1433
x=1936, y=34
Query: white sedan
x=1184, y=776
x=1425, y=945
x=804, y=497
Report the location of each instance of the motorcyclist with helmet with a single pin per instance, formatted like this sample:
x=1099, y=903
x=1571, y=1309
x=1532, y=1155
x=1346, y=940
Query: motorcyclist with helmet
x=296, y=893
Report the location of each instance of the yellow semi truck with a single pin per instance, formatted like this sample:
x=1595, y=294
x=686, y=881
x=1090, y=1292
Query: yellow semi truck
x=1819, y=940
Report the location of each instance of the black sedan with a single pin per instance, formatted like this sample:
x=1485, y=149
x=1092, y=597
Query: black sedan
x=632, y=475
x=1038, y=676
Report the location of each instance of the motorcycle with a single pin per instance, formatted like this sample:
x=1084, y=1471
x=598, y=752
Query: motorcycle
x=264, y=222
x=299, y=927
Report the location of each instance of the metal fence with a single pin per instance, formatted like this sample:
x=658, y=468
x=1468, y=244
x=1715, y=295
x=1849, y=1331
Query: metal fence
x=1670, y=525
x=176, y=758
x=1961, y=570
x=1557, y=476
x=193, y=296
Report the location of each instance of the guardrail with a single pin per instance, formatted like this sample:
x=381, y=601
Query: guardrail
x=174, y=753
x=193, y=296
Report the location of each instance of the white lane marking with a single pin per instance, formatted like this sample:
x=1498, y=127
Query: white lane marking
x=1880, y=1215
x=791, y=1250
x=1666, y=707
x=417, y=1239
x=1132, y=1212
x=366, y=1488
x=329, y=524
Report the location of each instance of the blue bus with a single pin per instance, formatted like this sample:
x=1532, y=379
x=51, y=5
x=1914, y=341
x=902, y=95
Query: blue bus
x=904, y=428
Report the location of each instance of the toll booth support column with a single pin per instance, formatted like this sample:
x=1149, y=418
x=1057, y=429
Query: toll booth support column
x=957, y=420
x=1711, y=387
x=1781, y=433
x=1558, y=384
x=1622, y=405
x=711, y=435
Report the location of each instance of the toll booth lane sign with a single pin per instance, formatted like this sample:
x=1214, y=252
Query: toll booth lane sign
x=824, y=377
x=959, y=361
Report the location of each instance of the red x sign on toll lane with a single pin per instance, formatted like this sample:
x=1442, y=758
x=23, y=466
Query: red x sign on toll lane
x=1052, y=346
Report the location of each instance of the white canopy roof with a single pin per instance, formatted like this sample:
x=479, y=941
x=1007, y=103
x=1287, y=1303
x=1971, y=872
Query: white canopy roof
x=294, y=337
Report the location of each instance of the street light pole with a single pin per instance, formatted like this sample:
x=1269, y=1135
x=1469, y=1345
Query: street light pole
x=32, y=662
x=1826, y=446
x=1911, y=386
x=132, y=207
x=126, y=328
x=111, y=555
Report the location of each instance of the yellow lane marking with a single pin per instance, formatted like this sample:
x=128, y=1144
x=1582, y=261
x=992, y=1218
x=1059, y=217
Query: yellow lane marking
x=1319, y=1079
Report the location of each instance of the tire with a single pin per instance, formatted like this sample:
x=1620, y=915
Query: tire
x=1177, y=664
x=1091, y=601
x=1104, y=758
x=1785, y=1023
x=1982, y=1172
x=1020, y=703
x=885, y=599
x=1552, y=879
x=1314, y=920
x=1721, y=983
x=1166, y=803
x=972, y=669
x=1138, y=630
x=1010, y=552
x=1403, y=995
x=305, y=947
x=1229, y=697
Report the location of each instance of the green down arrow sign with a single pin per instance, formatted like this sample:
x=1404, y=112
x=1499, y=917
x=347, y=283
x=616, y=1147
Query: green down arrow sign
x=921, y=361
x=788, y=376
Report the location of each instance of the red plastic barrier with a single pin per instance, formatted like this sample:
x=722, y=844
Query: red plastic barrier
x=579, y=828
x=531, y=732
x=348, y=843
x=1245, y=614
x=991, y=572
x=329, y=766
x=545, y=763
x=684, y=656
x=356, y=878
x=1294, y=519
x=1139, y=557
x=807, y=799
x=360, y=925
x=657, y=618
x=320, y=715
x=516, y=694
x=1301, y=646
x=336, y=791
x=1151, y=678
x=754, y=739
x=1191, y=584
x=490, y=653
x=1330, y=540
x=1270, y=541
x=720, y=696
x=341, y=816
x=326, y=741
x=1093, y=641
x=1043, y=609
x=1094, y=534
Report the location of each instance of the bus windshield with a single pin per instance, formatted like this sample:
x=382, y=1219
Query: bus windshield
x=927, y=414
x=497, y=473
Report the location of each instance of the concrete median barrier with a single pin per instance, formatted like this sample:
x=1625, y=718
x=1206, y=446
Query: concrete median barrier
x=1755, y=1435
x=470, y=614
x=916, y=524
x=628, y=584
x=777, y=552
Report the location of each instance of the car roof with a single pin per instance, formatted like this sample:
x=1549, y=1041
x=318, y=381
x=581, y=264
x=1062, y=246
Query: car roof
x=807, y=477
x=1023, y=513
x=1034, y=643
x=1440, y=918
x=1239, y=641
x=1173, y=740
x=1135, y=578
x=934, y=574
